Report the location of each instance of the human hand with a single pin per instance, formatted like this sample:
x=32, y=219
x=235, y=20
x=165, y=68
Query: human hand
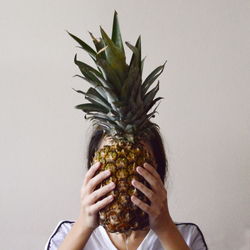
x=159, y=217
x=90, y=198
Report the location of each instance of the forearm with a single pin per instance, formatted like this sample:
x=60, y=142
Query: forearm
x=77, y=237
x=171, y=239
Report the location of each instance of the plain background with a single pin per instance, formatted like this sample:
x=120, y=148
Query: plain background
x=204, y=117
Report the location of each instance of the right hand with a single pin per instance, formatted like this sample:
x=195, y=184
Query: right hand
x=90, y=198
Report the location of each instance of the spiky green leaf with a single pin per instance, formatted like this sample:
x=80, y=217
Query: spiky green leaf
x=94, y=96
x=89, y=107
x=151, y=94
x=116, y=34
x=79, y=91
x=99, y=45
x=87, y=67
x=110, y=75
x=114, y=56
x=142, y=64
x=151, y=78
x=84, y=45
x=93, y=82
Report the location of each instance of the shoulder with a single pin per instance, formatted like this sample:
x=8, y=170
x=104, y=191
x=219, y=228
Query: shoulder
x=61, y=230
x=192, y=234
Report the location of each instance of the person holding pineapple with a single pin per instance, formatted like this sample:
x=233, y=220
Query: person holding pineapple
x=123, y=198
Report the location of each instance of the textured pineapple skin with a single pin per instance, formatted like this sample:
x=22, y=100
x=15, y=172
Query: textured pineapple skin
x=121, y=158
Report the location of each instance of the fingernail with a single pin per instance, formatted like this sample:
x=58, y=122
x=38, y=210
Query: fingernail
x=107, y=172
x=112, y=184
x=138, y=169
x=97, y=164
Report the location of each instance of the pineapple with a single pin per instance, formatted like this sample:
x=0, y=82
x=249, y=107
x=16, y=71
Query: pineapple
x=121, y=104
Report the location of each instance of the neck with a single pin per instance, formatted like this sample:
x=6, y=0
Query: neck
x=130, y=238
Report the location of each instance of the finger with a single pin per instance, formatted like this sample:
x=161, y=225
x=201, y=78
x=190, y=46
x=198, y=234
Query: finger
x=152, y=170
x=101, y=204
x=148, y=192
x=91, y=172
x=148, y=177
x=97, y=180
x=97, y=194
x=142, y=205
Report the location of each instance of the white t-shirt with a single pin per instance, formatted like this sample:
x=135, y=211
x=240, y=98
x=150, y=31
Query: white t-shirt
x=99, y=239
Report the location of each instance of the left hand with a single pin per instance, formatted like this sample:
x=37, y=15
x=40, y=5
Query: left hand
x=159, y=217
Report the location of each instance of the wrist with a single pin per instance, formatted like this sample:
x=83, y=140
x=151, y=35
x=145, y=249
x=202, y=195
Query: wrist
x=83, y=225
x=165, y=227
x=170, y=237
x=77, y=236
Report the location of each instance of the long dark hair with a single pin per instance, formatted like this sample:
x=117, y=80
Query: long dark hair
x=155, y=141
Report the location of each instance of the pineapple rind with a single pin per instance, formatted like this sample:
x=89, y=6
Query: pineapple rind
x=121, y=215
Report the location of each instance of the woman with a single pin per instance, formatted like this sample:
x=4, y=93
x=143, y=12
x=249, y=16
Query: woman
x=162, y=233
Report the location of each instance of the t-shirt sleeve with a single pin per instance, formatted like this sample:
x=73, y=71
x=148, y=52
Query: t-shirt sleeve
x=59, y=234
x=197, y=241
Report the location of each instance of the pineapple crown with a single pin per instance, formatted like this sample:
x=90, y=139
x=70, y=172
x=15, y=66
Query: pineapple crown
x=119, y=101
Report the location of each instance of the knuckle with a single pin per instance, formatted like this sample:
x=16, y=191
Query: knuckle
x=156, y=172
x=91, y=184
x=148, y=210
x=84, y=205
x=107, y=188
x=134, y=199
x=150, y=167
x=105, y=200
x=85, y=201
x=94, y=166
x=139, y=202
x=95, y=195
x=103, y=190
x=87, y=175
x=100, y=177
x=157, y=175
x=92, y=210
x=158, y=212
x=100, y=204
x=150, y=195
x=99, y=191
x=141, y=186
x=155, y=183
x=88, y=212
x=138, y=184
x=83, y=194
x=89, y=189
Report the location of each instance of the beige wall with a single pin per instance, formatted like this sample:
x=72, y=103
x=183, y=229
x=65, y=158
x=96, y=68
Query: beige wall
x=205, y=117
